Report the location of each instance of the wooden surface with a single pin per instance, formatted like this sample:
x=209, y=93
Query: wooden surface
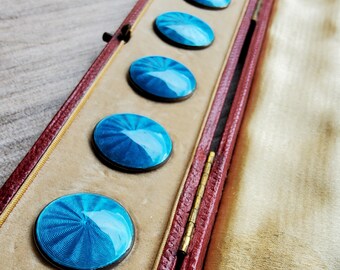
x=45, y=49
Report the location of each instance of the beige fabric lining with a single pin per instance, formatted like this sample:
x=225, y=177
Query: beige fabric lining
x=281, y=205
x=72, y=167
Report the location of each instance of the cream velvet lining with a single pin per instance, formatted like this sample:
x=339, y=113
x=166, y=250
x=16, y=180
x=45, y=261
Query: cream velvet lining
x=281, y=205
x=72, y=167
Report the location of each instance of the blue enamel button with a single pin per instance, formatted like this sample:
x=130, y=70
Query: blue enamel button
x=184, y=30
x=213, y=4
x=131, y=142
x=162, y=78
x=84, y=231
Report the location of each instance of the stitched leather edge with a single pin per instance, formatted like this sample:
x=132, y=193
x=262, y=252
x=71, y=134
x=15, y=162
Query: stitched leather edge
x=214, y=188
x=168, y=258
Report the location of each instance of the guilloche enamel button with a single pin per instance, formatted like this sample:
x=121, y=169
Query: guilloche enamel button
x=131, y=142
x=162, y=78
x=213, y=4
x=84, y=231
x=184, y=30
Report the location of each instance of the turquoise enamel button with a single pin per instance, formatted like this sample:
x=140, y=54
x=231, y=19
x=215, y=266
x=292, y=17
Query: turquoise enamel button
x=184, y=30
x=131, y=142
x=84, y=231
x=161, y=78
x=213, y=4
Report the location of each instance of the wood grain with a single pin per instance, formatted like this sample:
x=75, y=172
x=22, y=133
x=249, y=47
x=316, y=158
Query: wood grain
x=45, y=49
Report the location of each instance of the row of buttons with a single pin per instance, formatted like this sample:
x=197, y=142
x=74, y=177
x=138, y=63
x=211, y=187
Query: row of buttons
x=91, y=231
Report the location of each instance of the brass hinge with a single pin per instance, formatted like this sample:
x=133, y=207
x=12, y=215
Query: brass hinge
x=189, y=229
x=257, y=10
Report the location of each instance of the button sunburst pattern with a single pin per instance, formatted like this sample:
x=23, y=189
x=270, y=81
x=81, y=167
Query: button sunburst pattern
x=131, y=142
x=84, y=231
x=184, y=30
x=162, y=78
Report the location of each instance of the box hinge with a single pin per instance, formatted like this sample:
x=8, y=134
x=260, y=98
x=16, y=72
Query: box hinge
x=257, y=10
x=189, y=229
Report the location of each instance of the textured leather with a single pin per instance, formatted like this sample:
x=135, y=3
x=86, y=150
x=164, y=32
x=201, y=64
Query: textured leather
x=168, y=259
x=214, y=188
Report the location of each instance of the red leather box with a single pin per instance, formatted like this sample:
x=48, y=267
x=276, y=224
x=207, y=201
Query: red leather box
x=237, y=64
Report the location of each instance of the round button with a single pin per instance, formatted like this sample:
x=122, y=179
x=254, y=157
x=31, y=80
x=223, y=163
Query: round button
x=162, y=78
x=213, y=4
x=184, y=30
x=131, y=142
x=84, y=231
